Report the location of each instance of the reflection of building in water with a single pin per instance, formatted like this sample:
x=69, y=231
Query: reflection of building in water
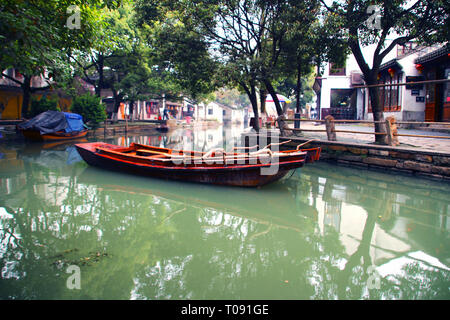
x=333, y=195
x=388, y=214
x=332, y=216
x=12, y=184
x=203, y=140
x=225, y=136
x=162, y=141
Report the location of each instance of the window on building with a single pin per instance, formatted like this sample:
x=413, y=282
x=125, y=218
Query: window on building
x=224, y=112
x=152, y=107
x=389, y=95
x=431, y=87
x=336, y=70
x=210, y=111
x=446, y=90
x=343, y=103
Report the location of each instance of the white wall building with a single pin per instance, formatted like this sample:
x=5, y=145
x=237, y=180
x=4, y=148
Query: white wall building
x=335, y=92
x=212, y=111
x=219, y=112
x=233, y=115
x=337, y=95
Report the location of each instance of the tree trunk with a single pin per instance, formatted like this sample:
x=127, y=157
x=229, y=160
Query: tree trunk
x=282, y=125
x=370, y=76
x=117, y=101
x=298, y=89
x=378, y=115
x=251, y=93
x=262, y=99
x=272, y=92
x=100, y=83
x=131, y=110
x=26, y=90
x=254, y=101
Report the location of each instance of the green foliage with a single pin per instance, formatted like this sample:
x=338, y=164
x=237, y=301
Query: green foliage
x=181, y=53
x=35, y=37
x=231, y=97
x=90, y=108
x=42, y=105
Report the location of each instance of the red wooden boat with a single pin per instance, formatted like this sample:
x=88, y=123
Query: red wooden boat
x=216, y=166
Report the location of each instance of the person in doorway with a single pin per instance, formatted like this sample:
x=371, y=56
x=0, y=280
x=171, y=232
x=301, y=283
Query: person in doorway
x=165, y=114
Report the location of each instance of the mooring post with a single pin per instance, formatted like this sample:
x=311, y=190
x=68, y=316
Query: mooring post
x=281, y=124
x=391, y=130
x=329, y=126
x=297, y=122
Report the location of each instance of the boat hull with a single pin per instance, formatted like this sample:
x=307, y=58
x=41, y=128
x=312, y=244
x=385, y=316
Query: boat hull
x=57, y=136
x=231, y=175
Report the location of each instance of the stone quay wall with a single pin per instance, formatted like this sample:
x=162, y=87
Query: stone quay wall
x=424, y=163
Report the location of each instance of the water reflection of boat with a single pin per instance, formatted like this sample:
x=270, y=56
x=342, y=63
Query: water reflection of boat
x=9, y=163
x=214, y=167
x=279, y=204
x=51, y=155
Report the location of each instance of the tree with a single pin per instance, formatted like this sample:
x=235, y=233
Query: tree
x=237, y=32
x=114, y=40
x=424, y=21
x=231, y=97
x=34, y=33
x=90, y=108
x=180, y=55
x=256, y=42
x=310, y=39
x=42, y=105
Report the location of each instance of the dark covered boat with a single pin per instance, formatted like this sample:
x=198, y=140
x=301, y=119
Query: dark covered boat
x=53, y=125
x=248, y=169
x=162, y=128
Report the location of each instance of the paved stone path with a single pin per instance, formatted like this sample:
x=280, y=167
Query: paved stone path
x=433, y=144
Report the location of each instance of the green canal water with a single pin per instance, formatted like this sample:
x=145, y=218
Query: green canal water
x=70, y=231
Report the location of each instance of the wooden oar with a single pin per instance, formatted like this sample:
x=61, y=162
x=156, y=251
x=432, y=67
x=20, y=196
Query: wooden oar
x=276, y=144
x=304, y=143
x=245, y=148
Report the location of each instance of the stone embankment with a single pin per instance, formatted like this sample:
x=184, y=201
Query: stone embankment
x=425, y=163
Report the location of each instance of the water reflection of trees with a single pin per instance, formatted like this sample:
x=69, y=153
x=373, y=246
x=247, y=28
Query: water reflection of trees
x=178, y=241
x=387, y=199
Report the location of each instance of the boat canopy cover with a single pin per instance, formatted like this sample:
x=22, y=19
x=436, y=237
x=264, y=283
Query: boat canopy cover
x=54, y=121
x=74, y=122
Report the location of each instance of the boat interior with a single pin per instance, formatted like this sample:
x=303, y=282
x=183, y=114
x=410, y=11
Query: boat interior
x=141, y=151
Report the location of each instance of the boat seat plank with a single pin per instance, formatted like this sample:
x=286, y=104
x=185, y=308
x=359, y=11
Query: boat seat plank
x=153, y=152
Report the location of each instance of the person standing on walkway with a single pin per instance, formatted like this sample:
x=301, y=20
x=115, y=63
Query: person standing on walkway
x=165, y=114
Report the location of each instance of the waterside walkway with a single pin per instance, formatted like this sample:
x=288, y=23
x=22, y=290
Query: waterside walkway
x=426, y=157
x=429, y=144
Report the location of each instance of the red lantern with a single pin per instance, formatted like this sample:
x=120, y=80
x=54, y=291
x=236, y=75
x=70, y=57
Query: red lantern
x=391, y=72
x=419, y=68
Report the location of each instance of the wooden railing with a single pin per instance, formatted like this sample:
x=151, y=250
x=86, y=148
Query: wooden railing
x=390, y=123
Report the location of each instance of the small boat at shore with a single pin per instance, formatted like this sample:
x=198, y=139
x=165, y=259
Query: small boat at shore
x=56, y=136
x=53, y=126
x=247, y=169
x=162, y=128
